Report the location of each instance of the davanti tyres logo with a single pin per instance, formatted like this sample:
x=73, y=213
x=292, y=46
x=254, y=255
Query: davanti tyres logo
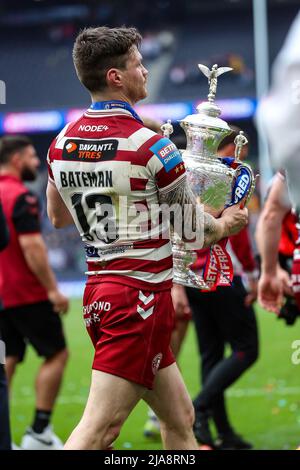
x=71, y=147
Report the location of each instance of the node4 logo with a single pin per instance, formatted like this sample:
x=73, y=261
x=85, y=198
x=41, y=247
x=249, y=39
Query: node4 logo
x=2, y=92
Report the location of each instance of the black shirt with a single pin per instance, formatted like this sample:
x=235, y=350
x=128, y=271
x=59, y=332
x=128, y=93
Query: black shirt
x=3, y=230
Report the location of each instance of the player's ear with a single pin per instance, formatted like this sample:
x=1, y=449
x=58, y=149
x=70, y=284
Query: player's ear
x=114, y=77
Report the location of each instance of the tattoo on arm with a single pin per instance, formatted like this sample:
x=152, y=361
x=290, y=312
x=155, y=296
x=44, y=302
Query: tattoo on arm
x=212, y=231
x=191, y=212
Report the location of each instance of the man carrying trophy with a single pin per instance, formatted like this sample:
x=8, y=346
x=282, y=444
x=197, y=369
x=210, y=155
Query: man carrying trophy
x=129, y=271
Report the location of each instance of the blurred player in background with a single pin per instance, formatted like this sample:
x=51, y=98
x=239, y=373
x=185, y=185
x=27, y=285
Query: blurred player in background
x=28, y=289
x=274, y=282
x=106, y=154
x=280, y=112
x=5, y=439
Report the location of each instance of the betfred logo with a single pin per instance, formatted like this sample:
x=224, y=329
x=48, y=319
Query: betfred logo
x=165, y=151
x=242, y=184
x=70, y=147
x=90, y=150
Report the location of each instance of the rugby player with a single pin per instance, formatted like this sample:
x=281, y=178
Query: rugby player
x=274, y=282
x=101, y=167
x=28, y=290
x=5, y=440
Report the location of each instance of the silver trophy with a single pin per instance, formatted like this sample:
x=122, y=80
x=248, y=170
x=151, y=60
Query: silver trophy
x=211, y=181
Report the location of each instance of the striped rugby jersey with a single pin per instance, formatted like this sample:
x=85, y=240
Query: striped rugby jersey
x=110, y=171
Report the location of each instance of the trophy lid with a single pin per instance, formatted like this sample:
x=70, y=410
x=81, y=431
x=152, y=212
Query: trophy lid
x=208, y=111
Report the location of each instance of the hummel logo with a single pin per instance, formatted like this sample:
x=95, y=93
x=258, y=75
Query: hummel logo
x=145, y=313
x=144, y=298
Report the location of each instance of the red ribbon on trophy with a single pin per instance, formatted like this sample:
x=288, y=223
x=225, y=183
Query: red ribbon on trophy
x=216, y=266
x=219, y=269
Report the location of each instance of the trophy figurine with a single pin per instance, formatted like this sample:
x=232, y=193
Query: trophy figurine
x=239, y=142
x=214, y=184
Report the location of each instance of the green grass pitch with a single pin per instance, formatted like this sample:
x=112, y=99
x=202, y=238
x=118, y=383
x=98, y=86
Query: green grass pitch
x=264, y=404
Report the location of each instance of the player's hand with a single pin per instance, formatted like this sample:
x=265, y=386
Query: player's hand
x=252, y=294
x=180, y=301
x=270, y=293
x=286, y=282
x=59, y=301
x=235, y=219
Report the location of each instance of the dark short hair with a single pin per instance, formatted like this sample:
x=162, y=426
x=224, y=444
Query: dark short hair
x=10, y=144
x=96, y=50
x=229, y=139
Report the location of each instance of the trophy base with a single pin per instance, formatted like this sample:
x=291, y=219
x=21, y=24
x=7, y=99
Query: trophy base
x=190, y=279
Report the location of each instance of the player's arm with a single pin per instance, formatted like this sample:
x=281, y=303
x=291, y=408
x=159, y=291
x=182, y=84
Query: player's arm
x=272, y=284
x=242, y=248
x=193, y=223
x=231, y=222
x=58, y=212
x=268, y=229
x=26, y=221
x=35, y=254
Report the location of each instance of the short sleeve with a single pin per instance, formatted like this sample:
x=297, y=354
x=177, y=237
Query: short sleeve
x=166, y=164
x=26, y=216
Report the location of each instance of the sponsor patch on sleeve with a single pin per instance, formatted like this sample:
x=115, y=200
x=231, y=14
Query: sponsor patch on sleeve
x=89, y=150
x=167, y=152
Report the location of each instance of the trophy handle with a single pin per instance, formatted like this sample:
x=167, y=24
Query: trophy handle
x=244, y=188
x=244, y=184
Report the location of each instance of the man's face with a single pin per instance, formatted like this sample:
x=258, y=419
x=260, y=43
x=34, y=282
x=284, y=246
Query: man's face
x=134, y=77
x=28, y=163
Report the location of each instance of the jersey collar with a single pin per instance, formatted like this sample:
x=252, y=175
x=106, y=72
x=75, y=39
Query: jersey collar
x=115, y=104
